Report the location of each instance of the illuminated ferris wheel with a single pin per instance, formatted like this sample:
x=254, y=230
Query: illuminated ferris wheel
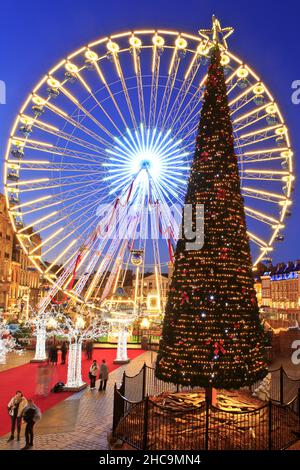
x=113, y=126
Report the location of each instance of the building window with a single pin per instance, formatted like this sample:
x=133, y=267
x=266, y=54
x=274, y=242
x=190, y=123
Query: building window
x=6, y=255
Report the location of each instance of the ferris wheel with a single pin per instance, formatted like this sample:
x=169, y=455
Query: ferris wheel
x=113, y=126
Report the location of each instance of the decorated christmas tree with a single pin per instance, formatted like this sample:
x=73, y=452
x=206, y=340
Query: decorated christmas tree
x=212, y=335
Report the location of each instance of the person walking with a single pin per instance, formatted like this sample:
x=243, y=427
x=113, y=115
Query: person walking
x=31, y=414
x=93, y=374
x=15, y=410
x=64, y=350
x=103, y=376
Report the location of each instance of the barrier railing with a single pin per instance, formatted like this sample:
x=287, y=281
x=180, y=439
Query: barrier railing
x=145, y=424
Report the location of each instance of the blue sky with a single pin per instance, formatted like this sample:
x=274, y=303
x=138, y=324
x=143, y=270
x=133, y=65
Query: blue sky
x=35, y=35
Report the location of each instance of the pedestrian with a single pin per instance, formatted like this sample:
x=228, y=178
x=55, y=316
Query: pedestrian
x=53, y=354
x=89, y=350
x=15, y=409
x=64, y=350
x=103, y=376
x=93, y=374
x=31, y=414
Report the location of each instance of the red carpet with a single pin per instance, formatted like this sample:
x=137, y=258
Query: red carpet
x=24, y=378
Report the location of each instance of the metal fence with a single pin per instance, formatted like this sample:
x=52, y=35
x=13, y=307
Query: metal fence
x=145, y=424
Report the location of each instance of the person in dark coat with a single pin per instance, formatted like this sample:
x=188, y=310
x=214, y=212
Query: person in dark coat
x=31, y=414
x=53, y=355
x=89, y=350
x=64, y=350
x=103, y=376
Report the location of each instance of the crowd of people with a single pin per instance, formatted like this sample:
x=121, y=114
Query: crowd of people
x=22, y=410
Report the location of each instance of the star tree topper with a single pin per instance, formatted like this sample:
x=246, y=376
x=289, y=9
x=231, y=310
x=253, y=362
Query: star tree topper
x=217, y=34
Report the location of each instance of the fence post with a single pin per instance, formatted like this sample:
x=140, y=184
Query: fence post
x=122, y=386
x=299, y=408
x=114, y=409
x=207, y=406
x=281, y=385
x=145, y=427
x=144, y=381
x=270, y=425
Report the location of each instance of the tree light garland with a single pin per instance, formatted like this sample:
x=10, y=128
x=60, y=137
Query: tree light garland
x=76, y=333
x=7, y=342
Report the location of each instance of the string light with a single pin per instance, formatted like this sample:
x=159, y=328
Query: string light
x=212, y=334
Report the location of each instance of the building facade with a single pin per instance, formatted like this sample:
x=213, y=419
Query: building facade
x=19, y=280
x=280, y=291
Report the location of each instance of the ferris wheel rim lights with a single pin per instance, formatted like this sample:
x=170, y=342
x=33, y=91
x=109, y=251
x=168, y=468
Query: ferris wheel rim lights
x=135, y=42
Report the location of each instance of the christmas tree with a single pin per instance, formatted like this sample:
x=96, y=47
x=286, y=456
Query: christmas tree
x=212, y=335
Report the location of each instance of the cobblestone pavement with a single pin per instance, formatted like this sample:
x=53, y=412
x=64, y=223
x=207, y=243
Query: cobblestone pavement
x=82, y=421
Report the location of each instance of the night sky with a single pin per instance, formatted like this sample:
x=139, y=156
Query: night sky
x=35, y=35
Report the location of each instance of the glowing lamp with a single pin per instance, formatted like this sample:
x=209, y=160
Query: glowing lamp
x=80, y=323
x=280, y=130
x=145, y=323
x=26, y=120
x=202, y=49
x=135, y=42
x=258, y=89
x=271, y=109
x=52, y=323
x=180, y=43
x=113, y=47
x=91, y=55
x=53, y=83
x=286, y=154
x=71, y=68
x=158, y=41
x=242, y=72
x=225, y=59
x=38, y=101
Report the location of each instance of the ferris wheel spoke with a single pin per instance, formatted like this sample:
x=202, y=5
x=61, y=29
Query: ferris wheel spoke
x=261, y=216
x=65, y=237
x=47, y=185
x=172, y=73
x=124, y=87
x=154, y=86
x=189, y=78
x=248, y=123
x=268, y=175
x=55, y=203
x=257, y=240
x=139, y=80
x=57, y=111
x=61, y=255
x=53, y=149
x=103, y=80
x=262, y=155
x=90, y=92
x=47, y=128
x=87, y=114
x=188, y=111
x=250, y=117
x=241, y=99
x=263, y=195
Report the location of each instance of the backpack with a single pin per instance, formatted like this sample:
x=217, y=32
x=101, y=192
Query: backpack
x=29, y=415
x=58, y=387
